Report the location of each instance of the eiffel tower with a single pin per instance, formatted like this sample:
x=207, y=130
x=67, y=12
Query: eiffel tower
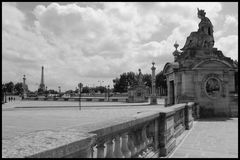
x=42, y=85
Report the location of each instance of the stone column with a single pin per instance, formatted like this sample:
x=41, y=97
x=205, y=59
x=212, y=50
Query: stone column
x=153, y=95
x=24, y=87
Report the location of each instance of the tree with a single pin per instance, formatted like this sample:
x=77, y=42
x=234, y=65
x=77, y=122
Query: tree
x=101, y=89
x=69, y=92
x=18, y=88
x=147, y=79
x=85, y=89
x=40, y=91
x=51, y=91
x=9, y=87
x=161, y=81
x=120, y=84
x=129, y=79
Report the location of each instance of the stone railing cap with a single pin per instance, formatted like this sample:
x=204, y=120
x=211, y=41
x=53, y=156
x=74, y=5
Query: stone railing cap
x=128, y=123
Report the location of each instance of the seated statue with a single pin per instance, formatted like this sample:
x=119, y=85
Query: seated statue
x=203, y=38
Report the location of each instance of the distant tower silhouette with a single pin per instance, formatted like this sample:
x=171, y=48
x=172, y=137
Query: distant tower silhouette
x=24, y=87
x=42, y=85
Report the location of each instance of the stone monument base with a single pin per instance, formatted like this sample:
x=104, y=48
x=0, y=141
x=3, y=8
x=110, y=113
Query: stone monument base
x=153, y=100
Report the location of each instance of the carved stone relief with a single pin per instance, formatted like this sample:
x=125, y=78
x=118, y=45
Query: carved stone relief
x=212, y=86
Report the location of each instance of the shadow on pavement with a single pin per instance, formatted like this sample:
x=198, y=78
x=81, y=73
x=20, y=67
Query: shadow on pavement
x=215, y=119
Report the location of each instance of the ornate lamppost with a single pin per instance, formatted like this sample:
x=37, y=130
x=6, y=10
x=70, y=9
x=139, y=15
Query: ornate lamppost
x=59, y=90
x=108, y=92
x=80, y=89
x=153, y=96
x=24, y=87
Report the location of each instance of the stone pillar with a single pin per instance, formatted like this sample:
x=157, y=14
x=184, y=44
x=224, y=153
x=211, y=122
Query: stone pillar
x=167, y=141
x=188, y=116
x=24, y=87
x=153, y=95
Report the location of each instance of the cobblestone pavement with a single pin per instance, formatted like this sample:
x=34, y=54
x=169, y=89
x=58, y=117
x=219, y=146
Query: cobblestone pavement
x=210, y=138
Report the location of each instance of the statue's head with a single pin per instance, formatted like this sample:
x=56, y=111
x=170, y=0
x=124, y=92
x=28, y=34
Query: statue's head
x=201, y=13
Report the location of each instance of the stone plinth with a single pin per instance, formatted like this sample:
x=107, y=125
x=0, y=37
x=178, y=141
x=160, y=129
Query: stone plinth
x=137, y=94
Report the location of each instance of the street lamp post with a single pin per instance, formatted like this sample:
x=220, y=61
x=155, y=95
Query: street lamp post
x=108, y=92
x=80, y=89
x=105, y=91
x=5, y=95
x=153, y=96
x=59, y=90
x=24, y=87
x=46, y=91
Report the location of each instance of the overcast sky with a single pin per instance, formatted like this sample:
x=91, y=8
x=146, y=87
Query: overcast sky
x=95, y=41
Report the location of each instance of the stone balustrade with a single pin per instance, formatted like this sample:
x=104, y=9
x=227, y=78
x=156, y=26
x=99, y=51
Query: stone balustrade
x=150, y=134
x=128, y=139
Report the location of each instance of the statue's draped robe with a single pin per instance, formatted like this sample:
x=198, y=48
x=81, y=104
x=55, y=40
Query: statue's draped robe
x=203, y=38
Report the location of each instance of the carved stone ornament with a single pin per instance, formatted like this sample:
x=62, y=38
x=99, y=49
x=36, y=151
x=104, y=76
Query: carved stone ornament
x=212, y=86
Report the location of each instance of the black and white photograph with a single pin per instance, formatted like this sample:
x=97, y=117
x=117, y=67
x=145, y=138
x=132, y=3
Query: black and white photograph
x=119, y=80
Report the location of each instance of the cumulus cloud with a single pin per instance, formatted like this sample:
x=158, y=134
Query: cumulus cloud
x=229, y=26
x=87, y=42
x=229, y=46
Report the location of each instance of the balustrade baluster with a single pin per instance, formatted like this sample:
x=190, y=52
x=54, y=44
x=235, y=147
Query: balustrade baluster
x=117, y=150
x=150, y=133
x=131, y=145
x=156, y=132
x=126, y=152
x=110, y=153
x=137, y=140
x=144, y=138
x=100, y=150
x=92, y=152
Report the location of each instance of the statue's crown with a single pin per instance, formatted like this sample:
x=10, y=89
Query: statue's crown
x=201, y=12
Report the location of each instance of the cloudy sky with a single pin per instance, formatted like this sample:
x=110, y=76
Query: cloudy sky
x=95, y=41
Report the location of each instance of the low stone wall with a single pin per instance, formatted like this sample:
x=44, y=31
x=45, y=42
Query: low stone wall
x=150, y=134
x=83, y=99
x=233, y=105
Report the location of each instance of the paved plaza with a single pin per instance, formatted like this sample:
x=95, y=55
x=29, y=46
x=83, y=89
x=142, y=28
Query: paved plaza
x=41, y=115
x=58, y=104
x=210, y=138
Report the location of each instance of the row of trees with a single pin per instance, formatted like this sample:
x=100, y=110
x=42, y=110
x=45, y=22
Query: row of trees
x=87, y=89
x=12, y=88
x=121, y=84
x=129, y=79
x=17, y=89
